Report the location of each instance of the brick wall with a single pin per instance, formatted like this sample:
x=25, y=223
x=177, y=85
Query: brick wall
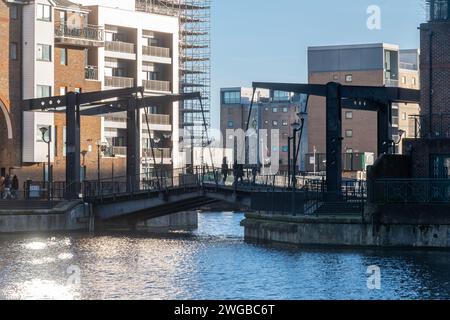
x=363, y=123
x=441, y=67
x=10, y=88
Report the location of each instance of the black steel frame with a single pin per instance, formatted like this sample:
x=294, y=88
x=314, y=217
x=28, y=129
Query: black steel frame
x=75, y=105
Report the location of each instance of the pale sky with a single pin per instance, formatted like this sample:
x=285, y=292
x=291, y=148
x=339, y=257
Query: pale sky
x=262, y=40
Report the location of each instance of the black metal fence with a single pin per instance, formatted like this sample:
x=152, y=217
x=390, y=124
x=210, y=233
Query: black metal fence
x=436, y=126
x=410, y=191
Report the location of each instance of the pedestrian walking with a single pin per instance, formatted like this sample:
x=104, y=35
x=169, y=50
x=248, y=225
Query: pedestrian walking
x=2, y=186
x=225, y=170
x=15, y=187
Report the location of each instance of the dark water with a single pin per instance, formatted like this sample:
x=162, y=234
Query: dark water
x=212, y=263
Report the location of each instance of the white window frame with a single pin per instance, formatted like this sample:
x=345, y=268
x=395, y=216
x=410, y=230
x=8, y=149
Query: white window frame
x=44, y=12
x=42, y=51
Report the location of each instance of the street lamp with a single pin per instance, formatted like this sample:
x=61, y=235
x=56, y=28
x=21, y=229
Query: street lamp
x=101, y=148
x=83, y=154
x=44, y=131
x=297, y=127
x=401, y=133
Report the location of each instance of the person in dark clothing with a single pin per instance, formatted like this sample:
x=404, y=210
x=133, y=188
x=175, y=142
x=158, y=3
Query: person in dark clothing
x=241, y=173
x=15, y=186
x=254, y=173
x=225, y=170
x=235, y=173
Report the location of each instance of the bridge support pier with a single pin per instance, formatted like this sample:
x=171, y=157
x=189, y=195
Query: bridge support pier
x=334, y=141
x=73, y=180
x=133, y=143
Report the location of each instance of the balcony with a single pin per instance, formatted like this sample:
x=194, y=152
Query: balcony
x=156, y=85
x=85, y=36
x=91, y=73
x=161, y=119
x=156, y=51
x=119, y=82
x=164, y=153
x=156, y=54
x=122, y=47
x=391, y=83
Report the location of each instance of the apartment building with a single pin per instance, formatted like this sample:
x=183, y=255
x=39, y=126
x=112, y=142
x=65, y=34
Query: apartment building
x=272, y=110
x=57, y=46
x=366, y=65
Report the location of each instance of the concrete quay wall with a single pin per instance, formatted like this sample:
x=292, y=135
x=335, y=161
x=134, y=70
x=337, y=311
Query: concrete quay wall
x=69, y=216
x=336, y=231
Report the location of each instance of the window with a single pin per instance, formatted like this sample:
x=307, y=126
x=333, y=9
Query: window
x=404, y=80
x=413, y=81
x=275, y=123
x=232, y=97
x=349, y=150
x=62, y=91
x=349, y=78
x=43, y=91
x=285, y=110
x=348, y=115
x=14, y=12
x=404, y=116
x=349, y=133
x=335, y=77
x=77, y=90
x=44, y=12
x=285, y=123
x=275, y=110
x=13, y=51
x=266, y=122
x=44, y=52
x=285, y=149
x=230, y=124
x=63, y=56
x=281, y=95
x=440, y=10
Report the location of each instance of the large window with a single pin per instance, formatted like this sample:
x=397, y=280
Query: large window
x=232, y=97
x=44, y=52
x=44, y=12
x=281, y=95
x=43, y=91
x=349, y=133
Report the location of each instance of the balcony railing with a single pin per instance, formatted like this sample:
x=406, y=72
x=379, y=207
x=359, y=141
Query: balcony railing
x=156, y=85
x=91, y=33
x=391, y=83
x=159, y=119
x=166, y=153
x=119, y=82
x=118, y=46
x=91, y=73
x=421, y=127
x=156, y=51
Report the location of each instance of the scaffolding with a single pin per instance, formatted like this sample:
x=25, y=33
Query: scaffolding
x=195, y=59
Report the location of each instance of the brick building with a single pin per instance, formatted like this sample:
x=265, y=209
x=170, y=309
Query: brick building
x=365, y=65
x=430, y=146
x=273, y=110
x=52, y=47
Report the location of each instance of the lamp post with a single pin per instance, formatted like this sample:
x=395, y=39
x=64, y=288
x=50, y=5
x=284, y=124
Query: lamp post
x=44, y=131
x=297, y=127
x=83, y=154
x=101, y=147
x=401, y=133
